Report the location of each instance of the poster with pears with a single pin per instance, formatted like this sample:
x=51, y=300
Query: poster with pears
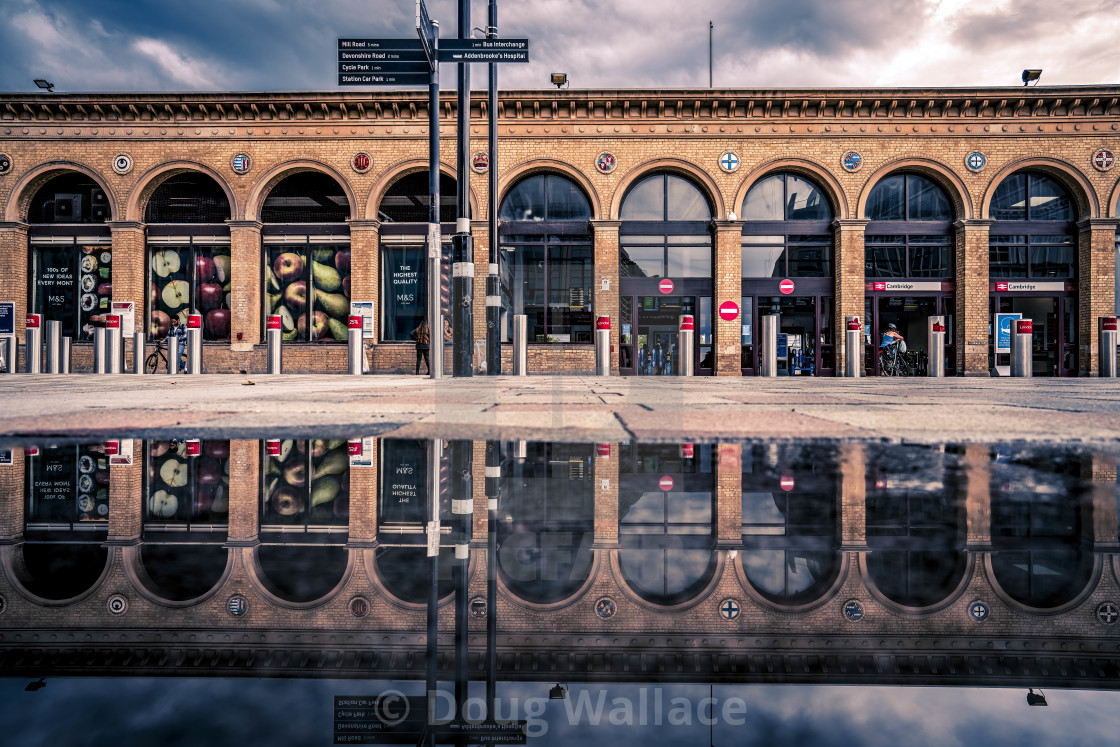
x=309, y=288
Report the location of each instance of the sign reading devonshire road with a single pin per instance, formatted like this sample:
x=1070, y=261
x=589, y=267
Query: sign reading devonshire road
x=404, y=62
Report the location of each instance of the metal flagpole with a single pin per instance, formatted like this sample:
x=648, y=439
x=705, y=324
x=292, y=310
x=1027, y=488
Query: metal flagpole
x=493, y=282
x=462, y=288
x=435, y=316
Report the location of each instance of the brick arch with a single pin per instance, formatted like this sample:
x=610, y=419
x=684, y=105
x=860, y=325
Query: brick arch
x=11, y=557
x=138, y=577
x=677, y=167
x=702, y=595
x=402, y=169
x=759, y=599
x=942, y=175
x=369, y=562
x=150, y=181
x=278, y=173
x=259, y=580
x=838, y=201
x=592, y=576
x=550, y=166
x=1079, y=599
x=965, y=580
x=24, y=190
x=1114, y=201
x=1085, y=197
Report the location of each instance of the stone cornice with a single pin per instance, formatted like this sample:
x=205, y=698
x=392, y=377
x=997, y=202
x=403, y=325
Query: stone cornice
x=125, y=225
x=253, y=225
x=639, y=106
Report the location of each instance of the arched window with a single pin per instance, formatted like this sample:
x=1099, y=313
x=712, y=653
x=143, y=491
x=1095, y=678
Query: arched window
x=179, y=571
x=669, y=233
x=547, y=260
x=909, y=234
x=407, y=200
x=307, y=262
x=61, y=570
x=189, y=266
x=1033, y=234
x=71, y=254
x=787, y=229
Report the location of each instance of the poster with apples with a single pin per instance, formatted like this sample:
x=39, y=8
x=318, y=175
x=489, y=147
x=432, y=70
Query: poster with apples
x=307, y=483
x=186, y=279
x=188, y=490
x=309, y=288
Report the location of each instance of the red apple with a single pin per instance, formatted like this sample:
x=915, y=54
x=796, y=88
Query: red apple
x=288, y=267
x=216, y=449
x=217, y=324
x=287, y=501
x=203, y=500
x=342, y=262
x=346, y=286
x=159, y=448
x=211, y=296
x=320, y=326
x=155, y=297
x=296, y=474
x=204, y=268
x=161, y=322
x=105, y=289
x=208, y=471
x=295, y=296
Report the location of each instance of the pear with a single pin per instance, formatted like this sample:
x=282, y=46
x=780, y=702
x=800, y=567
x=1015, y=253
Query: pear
x=335, y=304
x=339, y=331
x=273, y=281
x=322, y=254
x=334, y=463
x=326, y=278
x=324, y=491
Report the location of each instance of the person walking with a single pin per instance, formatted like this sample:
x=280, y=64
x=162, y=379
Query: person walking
x=423, y=337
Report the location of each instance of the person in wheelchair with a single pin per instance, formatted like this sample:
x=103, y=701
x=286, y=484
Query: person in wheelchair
x=891, y=344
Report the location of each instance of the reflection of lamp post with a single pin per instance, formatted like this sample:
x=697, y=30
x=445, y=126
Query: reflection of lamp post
x=1036, y=699
x=38, y=684
x=558, y=692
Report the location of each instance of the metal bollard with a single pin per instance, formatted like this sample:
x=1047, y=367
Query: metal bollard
x=935, y=337
x=64, y=348
x=493, y=322
x=54, y=332
x=9, y=353
x=603, y=346
x=520, y=345
x=768, y=346
x=1021, y=352
x=194, y=344
x=173, y=355
x=112, y=353
x=1110, y=338
x=273, y=338
x=139, y=352
x=685, y=332
x=853, y=345
x=33, y=352
x=354, y=344
x=100, y=363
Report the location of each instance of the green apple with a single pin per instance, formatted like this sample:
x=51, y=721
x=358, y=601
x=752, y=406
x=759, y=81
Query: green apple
x=162, y=504
x=165, y=262
x=174, y=473
x=176, y=293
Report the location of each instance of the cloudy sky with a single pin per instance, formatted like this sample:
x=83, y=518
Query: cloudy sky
x=251, y=45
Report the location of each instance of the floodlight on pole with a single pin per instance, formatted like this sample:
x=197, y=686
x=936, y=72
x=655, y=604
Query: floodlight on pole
x=46, y=84
x=1031, y=74
x=559, y=79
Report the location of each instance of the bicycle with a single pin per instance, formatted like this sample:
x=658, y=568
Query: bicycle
x=152, y=362
x=892, y=365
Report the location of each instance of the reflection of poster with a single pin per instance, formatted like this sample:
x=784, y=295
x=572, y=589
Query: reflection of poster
x=364, y=309
x=52, y=485
x=122, y=457
x=403, y=478
x=5, y=457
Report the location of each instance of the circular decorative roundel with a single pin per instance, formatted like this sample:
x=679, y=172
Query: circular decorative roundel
x=359, y=606
x=853, y=610
x=122, y=164
x=605, y=162
x=605, y=607
x=117, y=604
x=480, y=162
x=241, y=163
x=1103, y=160
x=851, y=161
x=729, y=162
x=477, y=606
x=1108, y=613
x=978, y=610
x=361, y=162
x=3, y=604
x=5, y=163
x=730, y=608
x=975, y=162
x=237, y=605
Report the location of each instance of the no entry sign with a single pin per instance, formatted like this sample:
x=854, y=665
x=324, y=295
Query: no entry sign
x=665, y=286
x=786, y=482
x=665, y=483
x=728, y=311
x=786, y=286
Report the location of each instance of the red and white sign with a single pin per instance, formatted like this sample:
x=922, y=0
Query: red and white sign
x=603, y=450
x=686, y=324
x=786, y=286
x=112, y=448
x=1108, y=324
x=853, y=324
x=194, y=447
x=126, y=310
x=728, y=311
x=354, y=447
x=32, y=451
x=687, y=451
x=112, y=321
x=361, y=162
x=354, y=322
x=665, y=286
x=272, y=447
x=274, y=321
x=34, y=320
x=119, y=452
x=786, y=482
x=194, y=321
x=1024, y=327
x=1103, y=160
x=938, y=327
x=665, y=483
x=480, y=162
x=603, y=322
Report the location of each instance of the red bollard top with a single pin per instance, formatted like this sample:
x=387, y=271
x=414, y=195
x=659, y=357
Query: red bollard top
x=34, y=320
x=194, y=321
x=603, y=322
x=1024, y=327
x=687, y=323
x=274, y=321
x=113, y=321
x=354, y=322
x=1108, y=323
x=853, y=324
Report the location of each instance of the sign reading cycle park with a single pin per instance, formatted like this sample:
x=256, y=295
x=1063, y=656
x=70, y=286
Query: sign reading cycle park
x=389, y=62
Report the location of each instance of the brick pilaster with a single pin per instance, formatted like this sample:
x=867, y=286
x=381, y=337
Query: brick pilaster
x=978, y=497
x=13, y=494
x=729, y=495
x=129, y=283
x=853, y=497
x=971, y=337
x=364, y=494
x=15, y=281
x=365, y=261
x=606, y=498
x=1096, y=286
x=848, y=271
x=728, y=286
x=1102, y=470
x=126, y=496
x=480, y=229
x=606, y=268
x=244, y=492
x=246, y=256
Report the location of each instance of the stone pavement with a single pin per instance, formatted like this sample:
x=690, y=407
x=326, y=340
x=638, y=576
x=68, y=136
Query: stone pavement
x=568, y=408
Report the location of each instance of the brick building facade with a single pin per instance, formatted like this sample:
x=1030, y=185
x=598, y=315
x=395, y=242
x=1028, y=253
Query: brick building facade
x=1021, y=183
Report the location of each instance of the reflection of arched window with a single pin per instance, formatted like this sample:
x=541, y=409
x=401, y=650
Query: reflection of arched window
x=63, y=570
x=786, y=229
x=549, y=506
x=1033, y=232
x=667, y=535
x=910, y=230
x=301, y=573
x=404, y=572
x=180, y=572
x=547, y=264
x=186, y=493
x=68, y=491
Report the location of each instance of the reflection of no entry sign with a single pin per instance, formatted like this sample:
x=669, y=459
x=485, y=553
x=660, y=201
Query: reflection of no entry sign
x=665, y=483
x=728, y=310
x=786, y=286
x=786, y=483
x=665, y=286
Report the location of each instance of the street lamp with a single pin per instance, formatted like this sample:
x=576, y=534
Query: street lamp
x=38, y=684
x=1031, y=74
x=559, y=79
x=1036, y=699
x=557, y=692
x=44, y=83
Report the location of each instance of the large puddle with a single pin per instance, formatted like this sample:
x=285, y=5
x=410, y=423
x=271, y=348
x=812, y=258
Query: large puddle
x=313, y=591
